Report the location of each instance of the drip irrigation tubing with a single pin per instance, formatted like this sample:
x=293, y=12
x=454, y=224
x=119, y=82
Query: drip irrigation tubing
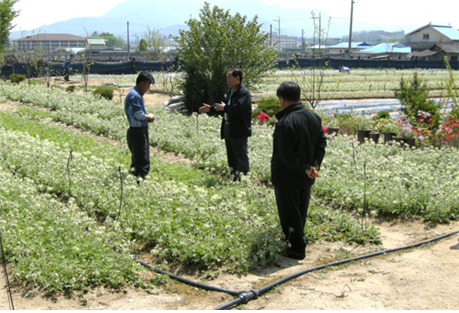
x=253, y=294
x=188, y=282
x=245, y=296
x=5, y=271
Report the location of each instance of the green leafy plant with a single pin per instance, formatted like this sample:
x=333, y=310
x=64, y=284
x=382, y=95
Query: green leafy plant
x=269, y=105
x=104, y=92
x=414, y=96
x=17, y=78
x=382, y=115
x=70, y=88
x=231, y=41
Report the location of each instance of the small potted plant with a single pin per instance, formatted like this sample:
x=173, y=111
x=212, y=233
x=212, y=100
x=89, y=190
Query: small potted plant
x=331, y=125
x=406, y=134
x=390, y=130
x=364, y=129
x=408, y=138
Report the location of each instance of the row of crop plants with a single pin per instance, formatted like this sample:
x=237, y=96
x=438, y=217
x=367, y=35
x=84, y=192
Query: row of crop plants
x=56, y=200
x=368, y=83
x=357, y=84
x=195, y=137
x=189, y=214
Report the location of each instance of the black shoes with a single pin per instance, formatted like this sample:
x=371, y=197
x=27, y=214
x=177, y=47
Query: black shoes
x=288, y=252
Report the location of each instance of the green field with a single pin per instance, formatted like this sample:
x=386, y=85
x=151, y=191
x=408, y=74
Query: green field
x=72, y=217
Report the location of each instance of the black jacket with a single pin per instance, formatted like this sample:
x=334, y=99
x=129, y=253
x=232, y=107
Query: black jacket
x=239, y=113
x=299, y=142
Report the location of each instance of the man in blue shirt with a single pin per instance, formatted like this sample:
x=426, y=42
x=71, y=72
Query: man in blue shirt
x=137, y=134
x=66, y=67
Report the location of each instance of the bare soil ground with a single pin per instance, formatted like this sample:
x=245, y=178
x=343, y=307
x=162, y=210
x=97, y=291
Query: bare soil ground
x=414, y=279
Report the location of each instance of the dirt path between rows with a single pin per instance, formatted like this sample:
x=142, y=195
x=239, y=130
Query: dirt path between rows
x=415, y=279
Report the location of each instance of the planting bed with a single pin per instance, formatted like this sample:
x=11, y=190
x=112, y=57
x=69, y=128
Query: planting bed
x=221, y=229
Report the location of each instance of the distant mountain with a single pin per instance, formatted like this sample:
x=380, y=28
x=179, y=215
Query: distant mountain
x=170, y=16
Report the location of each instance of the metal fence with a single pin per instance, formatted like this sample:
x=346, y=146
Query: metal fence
x=365, y=63
x=132, y=67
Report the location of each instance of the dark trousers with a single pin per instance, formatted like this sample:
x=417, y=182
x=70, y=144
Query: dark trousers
x=66, y=74
x=236, y=152
x=139, y=145
x=292, y=206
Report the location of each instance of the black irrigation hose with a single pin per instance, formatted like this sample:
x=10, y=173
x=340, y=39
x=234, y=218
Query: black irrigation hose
x=188, y=282
x=8, y=287
x=253, y=294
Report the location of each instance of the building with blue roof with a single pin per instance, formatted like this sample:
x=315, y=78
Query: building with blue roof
x=384, y=50
x=343, y=47
x=428, y=35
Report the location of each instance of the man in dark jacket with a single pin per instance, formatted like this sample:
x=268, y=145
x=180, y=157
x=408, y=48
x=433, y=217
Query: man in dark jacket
x=298, y=150
x=236, y=109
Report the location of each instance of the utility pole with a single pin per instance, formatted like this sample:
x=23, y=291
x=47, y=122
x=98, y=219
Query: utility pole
x=320, y=32
x=270, y=35
x=302, y=40
x=279, y=34
x=350, y=28
x=128, y=46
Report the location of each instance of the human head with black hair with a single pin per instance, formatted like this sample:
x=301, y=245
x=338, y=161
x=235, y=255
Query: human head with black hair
x=289, y=93
x=144, y=81
x=235, y=72
x=145, y=77
x=234, y=78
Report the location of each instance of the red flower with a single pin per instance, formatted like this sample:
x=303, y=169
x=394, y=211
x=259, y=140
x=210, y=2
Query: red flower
x=263, y=117
x=420, y=121
x=325, y=129
x=425, y=103
x=430, y=120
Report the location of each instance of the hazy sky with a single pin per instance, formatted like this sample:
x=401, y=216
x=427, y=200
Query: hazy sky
x=35, y=13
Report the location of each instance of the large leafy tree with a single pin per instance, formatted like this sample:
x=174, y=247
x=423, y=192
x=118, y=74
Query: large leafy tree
x=216, y=43
x=7, y=15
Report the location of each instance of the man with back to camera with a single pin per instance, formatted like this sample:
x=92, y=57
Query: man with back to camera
x=298, y=150
x=236, y=109
x=137, y=134
x=66, y=67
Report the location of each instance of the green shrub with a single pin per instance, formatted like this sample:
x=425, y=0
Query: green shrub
x=17, y=78
x=414, y=96
x=350, y=123
x=104, y=92
x=270, y=105
x=382, y=115
x=70, y=89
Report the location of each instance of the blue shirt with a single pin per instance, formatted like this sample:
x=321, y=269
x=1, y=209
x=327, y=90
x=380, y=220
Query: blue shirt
x=68, y=63
x=134, y=108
